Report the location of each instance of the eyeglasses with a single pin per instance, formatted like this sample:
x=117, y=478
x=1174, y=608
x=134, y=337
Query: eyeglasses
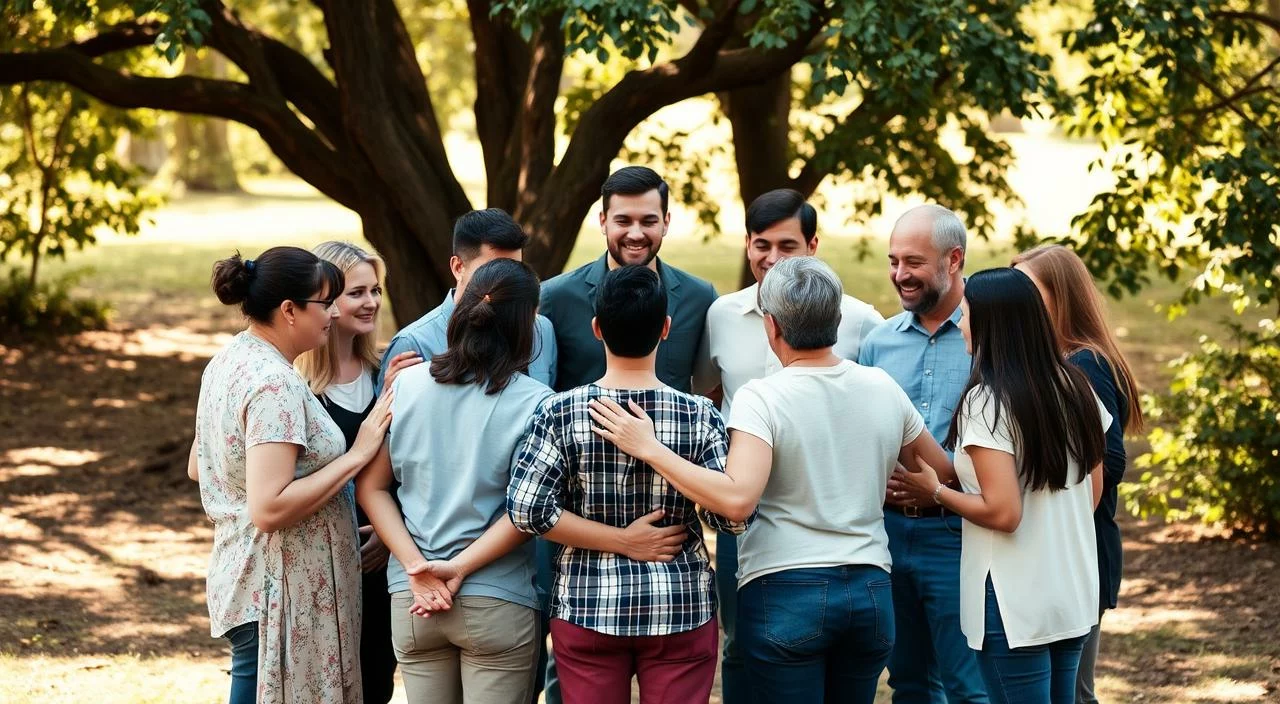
x=326, y=303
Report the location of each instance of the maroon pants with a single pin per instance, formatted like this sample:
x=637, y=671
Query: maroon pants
x=596, y=668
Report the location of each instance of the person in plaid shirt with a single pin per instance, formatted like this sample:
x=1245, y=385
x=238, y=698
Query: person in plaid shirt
x=614, y=617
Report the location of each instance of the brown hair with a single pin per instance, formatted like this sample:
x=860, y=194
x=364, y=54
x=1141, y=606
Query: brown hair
x=1079, y=316
x=491, y=331
x=320, y=366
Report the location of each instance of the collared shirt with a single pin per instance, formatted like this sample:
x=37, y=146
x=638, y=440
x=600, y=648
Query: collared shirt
x=428, y=336
x=569, y=301
x=735, y=349
x=562, y=466
x=932, y=369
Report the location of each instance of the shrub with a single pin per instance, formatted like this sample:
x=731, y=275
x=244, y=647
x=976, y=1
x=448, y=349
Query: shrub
x=46, y=309
x=1215, y=453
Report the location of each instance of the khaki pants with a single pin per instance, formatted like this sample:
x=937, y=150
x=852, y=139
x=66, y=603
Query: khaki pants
x=482, y=651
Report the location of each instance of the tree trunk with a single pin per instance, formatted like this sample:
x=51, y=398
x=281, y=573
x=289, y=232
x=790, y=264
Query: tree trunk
x=201, y=158
x=760, y=118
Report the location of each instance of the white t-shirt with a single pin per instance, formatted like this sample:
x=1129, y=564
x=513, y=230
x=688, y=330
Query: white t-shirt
x=1045, y=573
x=354, y=395
x=836, y=433
x=735, y=349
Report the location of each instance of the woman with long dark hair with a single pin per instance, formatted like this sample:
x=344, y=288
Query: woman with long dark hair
x=284, y=575
x=457, y=422
x=1085, y=339
x=1028, y=438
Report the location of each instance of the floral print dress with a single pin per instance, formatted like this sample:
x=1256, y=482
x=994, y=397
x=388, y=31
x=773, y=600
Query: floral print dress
x=300, y=584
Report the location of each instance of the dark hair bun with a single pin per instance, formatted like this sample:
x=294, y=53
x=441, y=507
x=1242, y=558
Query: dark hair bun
x=231, y=279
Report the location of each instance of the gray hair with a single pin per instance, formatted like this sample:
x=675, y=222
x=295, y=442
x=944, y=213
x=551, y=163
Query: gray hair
x=803, y=295
x=947, y=229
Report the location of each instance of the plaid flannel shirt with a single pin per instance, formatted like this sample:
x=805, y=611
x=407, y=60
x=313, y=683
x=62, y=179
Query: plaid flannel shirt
x=562, y=466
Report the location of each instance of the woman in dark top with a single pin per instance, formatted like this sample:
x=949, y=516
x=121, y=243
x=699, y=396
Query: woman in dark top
x=341, y=373
x=1079, y=319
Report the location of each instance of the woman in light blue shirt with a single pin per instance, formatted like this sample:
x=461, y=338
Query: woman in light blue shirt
x=455, y=555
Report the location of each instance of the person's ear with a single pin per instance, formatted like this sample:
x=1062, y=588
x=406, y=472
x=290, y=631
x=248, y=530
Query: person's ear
x=456, y=265
x=813, y=246
x=666, y=327
x=595, y=329
x=602, y=217
x=955, y=260
x=771, y=329
x=289, y=311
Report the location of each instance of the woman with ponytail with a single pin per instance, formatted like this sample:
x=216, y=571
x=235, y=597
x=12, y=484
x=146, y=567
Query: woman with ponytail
x=284, y=574
x=457, y=421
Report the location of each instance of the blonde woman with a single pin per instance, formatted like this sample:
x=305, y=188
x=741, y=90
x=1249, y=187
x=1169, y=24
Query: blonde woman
x=341, y=374
x=1079, y=319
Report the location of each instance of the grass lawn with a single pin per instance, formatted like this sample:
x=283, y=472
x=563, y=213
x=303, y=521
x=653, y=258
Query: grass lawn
x=104, y=546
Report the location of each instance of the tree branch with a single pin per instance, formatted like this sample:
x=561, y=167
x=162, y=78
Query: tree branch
x=703, y=53
x=1248, y=89
x=118, y=38
x=538, y=118
x=1258, y=17
x=296, y=145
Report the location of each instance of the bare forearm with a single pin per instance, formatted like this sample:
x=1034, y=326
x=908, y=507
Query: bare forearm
x=301, y=498
x=578, y=532
x=977, y=510
x=387, y=521
x=714, y=491
x=498, y=540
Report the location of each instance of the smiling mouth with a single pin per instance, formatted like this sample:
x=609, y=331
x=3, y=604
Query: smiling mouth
x=909, y=289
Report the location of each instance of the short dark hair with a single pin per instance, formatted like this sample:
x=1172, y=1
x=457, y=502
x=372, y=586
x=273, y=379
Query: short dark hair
x=634, y=181
x=279, y=274
x=491, y=330
x=778, y=205
x=491, y=226
x=631, y=308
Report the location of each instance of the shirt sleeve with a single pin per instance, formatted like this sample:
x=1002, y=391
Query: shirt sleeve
x=912, y=421
x=276, y=411
x=547, y=354
x=713, y=442
x=537, y=477
x=867, y=350
x=750, y=413
x=705, y=374
x=984, y=423
x=399, y=343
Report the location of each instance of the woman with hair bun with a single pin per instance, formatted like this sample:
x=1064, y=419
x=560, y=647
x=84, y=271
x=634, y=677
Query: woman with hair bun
x=457, y=422
x=284, y=574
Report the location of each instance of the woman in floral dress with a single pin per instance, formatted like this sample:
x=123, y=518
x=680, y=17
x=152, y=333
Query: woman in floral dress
x=284, y=575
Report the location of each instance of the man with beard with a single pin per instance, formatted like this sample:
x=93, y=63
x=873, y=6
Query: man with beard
x=735, y=350
x=633, y=220
x=923, y=350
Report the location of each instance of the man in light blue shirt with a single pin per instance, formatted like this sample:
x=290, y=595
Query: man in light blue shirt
x=923, y=350
x=479, y=237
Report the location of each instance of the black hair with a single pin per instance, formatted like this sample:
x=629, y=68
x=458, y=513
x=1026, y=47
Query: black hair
x=631, y=308
x=491, y=330
x=279, y=274
x=491, y=226
x=778, y=205
x=634, y=181
x=1053, y=411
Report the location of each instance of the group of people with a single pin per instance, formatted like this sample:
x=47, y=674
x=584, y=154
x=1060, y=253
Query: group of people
x=934, y=493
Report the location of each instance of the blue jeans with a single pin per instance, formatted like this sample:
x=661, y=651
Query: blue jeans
x=816, y=635
x=244, y=662
x=931, y=662
x=734, y=688
x=1038, y=674
x=545, y=681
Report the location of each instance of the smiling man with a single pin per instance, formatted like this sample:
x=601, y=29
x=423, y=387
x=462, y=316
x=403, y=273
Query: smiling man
x=735, y=350
x=923, y=349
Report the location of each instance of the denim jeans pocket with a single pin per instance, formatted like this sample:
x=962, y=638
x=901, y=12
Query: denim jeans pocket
x=793, y=610
x=881, y=594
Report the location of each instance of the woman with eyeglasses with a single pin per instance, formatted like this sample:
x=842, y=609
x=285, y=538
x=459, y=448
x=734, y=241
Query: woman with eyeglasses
x=284, y=574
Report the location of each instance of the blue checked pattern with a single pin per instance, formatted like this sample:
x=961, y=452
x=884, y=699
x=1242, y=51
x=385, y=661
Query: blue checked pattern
x=562, y=466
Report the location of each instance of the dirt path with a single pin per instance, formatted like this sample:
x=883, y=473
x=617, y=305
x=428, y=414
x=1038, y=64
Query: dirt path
x=103, y=548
